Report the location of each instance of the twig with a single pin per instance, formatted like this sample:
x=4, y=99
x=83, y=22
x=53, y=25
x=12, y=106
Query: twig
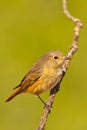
x=72, y=50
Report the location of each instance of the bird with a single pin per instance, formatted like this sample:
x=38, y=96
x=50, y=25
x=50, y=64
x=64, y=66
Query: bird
x=43, y=75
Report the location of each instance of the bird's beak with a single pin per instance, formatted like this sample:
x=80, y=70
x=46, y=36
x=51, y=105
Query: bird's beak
x=67, y=58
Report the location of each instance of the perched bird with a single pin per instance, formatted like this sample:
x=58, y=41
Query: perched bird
x=43, y=75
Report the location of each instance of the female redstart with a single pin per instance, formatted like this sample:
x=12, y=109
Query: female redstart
x=43, y=75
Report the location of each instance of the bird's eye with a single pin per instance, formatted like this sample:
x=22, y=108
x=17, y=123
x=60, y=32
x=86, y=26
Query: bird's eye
x=55, y=57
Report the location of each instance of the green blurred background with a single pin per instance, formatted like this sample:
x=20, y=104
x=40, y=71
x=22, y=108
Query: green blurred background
x=28, y=29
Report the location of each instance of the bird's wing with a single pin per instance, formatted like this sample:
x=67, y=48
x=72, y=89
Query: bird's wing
x=30, y=78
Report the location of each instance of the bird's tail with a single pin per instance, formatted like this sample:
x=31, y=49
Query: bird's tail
x=13, y=95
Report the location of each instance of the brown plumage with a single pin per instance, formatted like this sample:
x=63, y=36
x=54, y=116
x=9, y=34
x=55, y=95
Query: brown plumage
x=43, y=75
x=13, y=95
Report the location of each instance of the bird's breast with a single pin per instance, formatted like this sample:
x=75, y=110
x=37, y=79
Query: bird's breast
x=49, y=78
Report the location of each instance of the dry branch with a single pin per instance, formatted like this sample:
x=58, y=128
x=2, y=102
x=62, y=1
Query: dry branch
x=72, y=50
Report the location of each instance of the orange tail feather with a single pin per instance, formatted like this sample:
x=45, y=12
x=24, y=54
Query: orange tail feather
x=13, y=95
